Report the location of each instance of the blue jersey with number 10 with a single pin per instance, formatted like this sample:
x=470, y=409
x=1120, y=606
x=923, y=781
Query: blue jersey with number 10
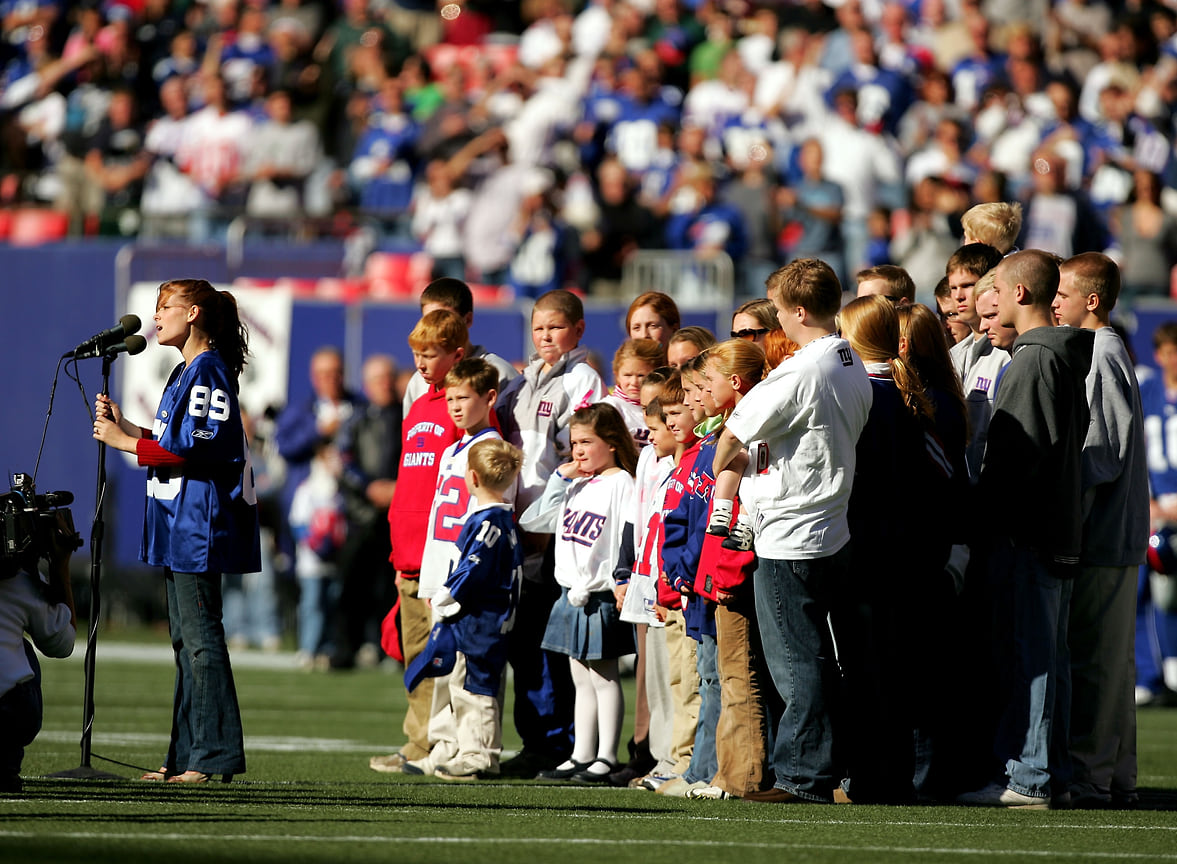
x=201, y=517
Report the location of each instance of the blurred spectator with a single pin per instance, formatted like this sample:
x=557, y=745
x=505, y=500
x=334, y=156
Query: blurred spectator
x=169, y=194
x=883, y=94
x=381, y=171
x=282, y=153
x=111, y=167
x=1147, y=237
x=623, y=226
x=369, y=449
x=246, y=55
x=212, y=154
x=439, y=216
x=811, y=213
x=1058, y=219
x=547, y=249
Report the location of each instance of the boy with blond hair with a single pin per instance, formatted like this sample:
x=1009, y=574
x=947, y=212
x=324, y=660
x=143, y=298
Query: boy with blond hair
x=995, y=223
x=478, y=601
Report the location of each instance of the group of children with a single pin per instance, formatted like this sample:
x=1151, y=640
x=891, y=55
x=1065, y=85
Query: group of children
x=758, y=553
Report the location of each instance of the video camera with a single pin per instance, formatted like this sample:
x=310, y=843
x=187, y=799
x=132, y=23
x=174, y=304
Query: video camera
x=34, y=526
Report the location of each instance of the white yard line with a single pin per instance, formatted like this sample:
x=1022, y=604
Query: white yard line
x=156, y=838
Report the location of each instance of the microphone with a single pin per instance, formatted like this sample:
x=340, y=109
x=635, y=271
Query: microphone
x=54, y=499
x=97, y=345
x=132, y=345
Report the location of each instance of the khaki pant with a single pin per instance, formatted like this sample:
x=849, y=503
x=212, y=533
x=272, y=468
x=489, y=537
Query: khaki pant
x=741, y=737
x=659, y=697
x=684, y=688
x=415, y=625
x=465, y=728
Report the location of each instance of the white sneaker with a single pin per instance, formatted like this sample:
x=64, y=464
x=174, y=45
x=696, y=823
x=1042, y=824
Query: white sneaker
x=741, y=537
x=997, y=795
x=652, y=782
x=709, y=793
x=721, y=520
x=676, y=787
x=393, y=763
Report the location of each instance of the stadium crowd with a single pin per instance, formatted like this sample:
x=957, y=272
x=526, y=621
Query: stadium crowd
x=857, y=132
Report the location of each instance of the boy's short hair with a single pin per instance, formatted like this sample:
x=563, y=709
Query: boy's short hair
x=1095, y=273
x=976, y=259
x=476, y=372
x=646, y=350
x=656, y=409
x=1165, y=334
x=496, y=462
x=450, y=293
x=996, y=223
x=809, y=283
x=984, y=285
x=1037, y=272
x=562, y=301
x=942, y=290
x=662, y=378
x=900, y=285
x=441, y=327
x=673, y=392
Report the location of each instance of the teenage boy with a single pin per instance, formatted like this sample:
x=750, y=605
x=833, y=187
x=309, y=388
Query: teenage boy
x=806, y=417
x=998, y=334
x=439, y=341
x=478, y=599
x=470, y=396
x=889, y=281
x=534, y=410
x=1115, y=539
x=977, y=361
x=1031, y=484
x=455, y=295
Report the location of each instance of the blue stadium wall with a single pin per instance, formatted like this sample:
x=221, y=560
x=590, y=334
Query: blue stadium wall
x=52, y=297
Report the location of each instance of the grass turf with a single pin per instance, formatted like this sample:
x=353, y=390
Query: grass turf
x=309, y=796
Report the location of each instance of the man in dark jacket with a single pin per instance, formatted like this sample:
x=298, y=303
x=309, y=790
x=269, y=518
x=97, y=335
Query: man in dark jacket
x=369, y=449
x=1031, y=481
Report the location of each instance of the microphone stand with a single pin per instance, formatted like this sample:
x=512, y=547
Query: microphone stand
x=97, y=532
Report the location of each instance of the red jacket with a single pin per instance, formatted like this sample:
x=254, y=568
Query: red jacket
x=428, y=430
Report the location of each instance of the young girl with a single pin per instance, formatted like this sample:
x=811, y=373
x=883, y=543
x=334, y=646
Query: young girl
x=586, y=503
x=201, y=518
x=687, y=343
x=634, y=360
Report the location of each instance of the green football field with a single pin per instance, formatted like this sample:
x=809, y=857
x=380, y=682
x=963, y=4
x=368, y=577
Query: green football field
x=310, y=796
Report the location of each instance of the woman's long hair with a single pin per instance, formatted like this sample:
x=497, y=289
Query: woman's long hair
x=220, y=319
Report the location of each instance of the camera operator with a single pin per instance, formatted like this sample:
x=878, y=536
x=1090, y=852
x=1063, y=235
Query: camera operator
x=44, y=609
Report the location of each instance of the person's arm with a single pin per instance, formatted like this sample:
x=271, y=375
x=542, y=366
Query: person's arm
x=726, y=449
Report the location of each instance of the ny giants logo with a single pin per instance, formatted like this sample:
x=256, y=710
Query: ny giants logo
x=582, y=527
x=545, y=409
x=846, y=356
x=700, y=485
x=985, y=384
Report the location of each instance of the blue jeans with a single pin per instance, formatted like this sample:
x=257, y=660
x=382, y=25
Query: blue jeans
x=1032, y=736
x=544, y=696
x=316, y=608
x=704, y=762
x=798, y=610
x=206, y=720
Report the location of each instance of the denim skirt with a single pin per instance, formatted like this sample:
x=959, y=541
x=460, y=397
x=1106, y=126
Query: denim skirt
x=590, y=632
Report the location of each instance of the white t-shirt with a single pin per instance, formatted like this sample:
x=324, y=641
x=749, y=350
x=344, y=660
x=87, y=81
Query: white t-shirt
x=634, y=417
x=452, y=503
x=804, y=420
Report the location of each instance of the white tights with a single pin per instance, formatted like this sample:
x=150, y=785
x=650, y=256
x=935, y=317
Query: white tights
x=600, y=711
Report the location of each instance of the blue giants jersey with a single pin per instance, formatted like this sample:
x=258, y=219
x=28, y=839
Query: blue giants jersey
x=486, y=584
x=1160, y=436
x=201, y=517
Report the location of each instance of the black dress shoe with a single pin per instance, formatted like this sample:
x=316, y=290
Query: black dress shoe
x=559, y=773
x=592, y=778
